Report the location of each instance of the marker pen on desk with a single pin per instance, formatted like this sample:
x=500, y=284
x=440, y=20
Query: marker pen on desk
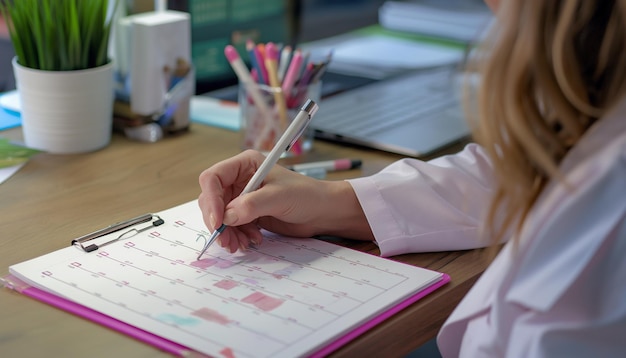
x=317, y=173
x=328, y=165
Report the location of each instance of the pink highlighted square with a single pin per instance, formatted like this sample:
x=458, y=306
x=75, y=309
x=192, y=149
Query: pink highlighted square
x=263, y=301
x=226, y=284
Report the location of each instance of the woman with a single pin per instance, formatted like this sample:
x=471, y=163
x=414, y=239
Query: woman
x=548, y=177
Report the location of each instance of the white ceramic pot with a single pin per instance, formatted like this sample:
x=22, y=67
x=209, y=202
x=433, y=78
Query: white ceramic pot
x=66, y=112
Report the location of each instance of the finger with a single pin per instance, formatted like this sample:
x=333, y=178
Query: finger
x=216, y=193
x=208, y=214
x=232, y=238
x=225, y=238
x=234, y=171
x=224, y=181
x=252, y=234
x=237, y=241
x=240, y=238
x=243, y=236
x=277, y=197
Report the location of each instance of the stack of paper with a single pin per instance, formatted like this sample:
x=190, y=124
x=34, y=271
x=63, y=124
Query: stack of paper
x=214, y=112
x=463, y=23
x=379, y=56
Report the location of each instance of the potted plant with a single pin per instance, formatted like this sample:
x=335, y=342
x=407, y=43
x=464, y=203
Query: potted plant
x=63, y=73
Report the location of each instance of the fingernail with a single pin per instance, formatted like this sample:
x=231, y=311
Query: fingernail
x=212, y=221
x=230, y=217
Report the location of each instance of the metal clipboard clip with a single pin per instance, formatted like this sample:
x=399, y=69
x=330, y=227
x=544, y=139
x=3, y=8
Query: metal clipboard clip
x=156, y=221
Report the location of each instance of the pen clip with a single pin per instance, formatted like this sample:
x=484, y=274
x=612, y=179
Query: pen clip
x=310, y=107
x=117, y=227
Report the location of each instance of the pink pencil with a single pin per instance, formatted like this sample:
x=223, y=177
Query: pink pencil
x=292, y=73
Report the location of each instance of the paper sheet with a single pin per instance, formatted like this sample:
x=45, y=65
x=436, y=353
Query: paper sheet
x=378, y=56
x=464, y=21
x=392, y=52
x=6, y=173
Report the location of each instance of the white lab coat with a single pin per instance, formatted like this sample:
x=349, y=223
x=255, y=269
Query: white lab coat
x=563, y=293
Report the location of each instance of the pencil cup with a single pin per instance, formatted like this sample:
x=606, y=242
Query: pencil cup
x=263, y=123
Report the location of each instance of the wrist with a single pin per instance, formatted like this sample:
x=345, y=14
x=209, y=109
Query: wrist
x=341, y=214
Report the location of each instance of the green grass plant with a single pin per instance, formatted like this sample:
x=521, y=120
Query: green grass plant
x=59, y=35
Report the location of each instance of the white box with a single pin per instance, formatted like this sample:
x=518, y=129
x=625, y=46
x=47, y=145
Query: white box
x=158, y=40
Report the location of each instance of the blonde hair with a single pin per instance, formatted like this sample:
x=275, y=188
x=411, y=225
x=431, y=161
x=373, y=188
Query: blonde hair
x=548, y=70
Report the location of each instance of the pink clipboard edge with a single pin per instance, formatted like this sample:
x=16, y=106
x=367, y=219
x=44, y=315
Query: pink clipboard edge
x=343, y=340
x=79, y=310
x=179, y=350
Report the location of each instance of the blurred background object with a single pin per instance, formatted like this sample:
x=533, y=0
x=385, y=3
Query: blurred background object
x=7, y=82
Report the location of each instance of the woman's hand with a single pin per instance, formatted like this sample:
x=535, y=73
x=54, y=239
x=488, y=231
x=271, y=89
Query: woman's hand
x=287, y=203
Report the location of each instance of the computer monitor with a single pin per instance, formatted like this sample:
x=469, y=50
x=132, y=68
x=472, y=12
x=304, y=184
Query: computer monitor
x=217, y=23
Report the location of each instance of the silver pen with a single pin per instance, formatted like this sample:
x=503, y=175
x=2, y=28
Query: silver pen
x=289, y=137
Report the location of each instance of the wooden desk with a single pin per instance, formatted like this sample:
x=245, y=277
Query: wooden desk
x=55, y=198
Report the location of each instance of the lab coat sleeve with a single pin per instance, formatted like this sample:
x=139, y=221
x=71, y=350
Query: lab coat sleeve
x=417, y=206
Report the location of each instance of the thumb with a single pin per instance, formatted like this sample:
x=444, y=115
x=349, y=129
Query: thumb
x=231, y=218
x=242, y=210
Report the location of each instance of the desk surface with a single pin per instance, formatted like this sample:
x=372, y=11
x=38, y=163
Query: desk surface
x=55, y=198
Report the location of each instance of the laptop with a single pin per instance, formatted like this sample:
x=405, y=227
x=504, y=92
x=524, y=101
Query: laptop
x=413, y=114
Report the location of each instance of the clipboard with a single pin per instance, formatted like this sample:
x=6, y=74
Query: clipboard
x=283, y=283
